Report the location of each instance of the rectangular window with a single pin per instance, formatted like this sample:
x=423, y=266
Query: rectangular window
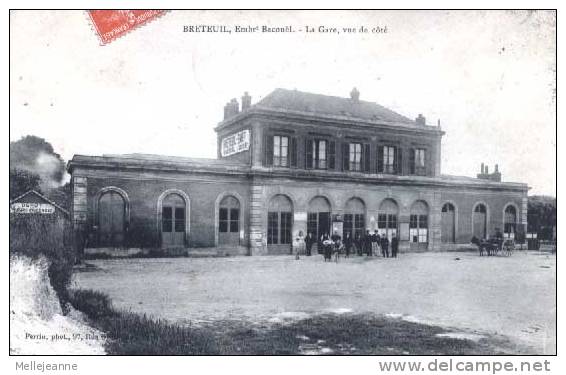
x=286, y=227
x=389, y=159
x=167, y=219
x=312, y=224
x=280, y=151
x=359, y=224
x=223, y=220
x=382, y=221
x=418, y=228
x=179, y=219
x=319, y=154
x=392, y=221
x=272, y=228
x=234, y=220
x=348, y=224
x=418, y=166
x=355, y=157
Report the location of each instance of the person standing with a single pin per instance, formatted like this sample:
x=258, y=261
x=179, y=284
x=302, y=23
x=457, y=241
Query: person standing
x=299, y=245
x=375, y=243
x=309, y=241
x=358, y=244
x=394, y=246
x=367, y=243
x=327, y=246
x=348, y=244
x=336, y=244
x=385, y=247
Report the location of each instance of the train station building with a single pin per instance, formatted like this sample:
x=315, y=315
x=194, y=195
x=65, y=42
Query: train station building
x=292, y=162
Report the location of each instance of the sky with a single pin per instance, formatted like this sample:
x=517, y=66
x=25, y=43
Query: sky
x=489, y=76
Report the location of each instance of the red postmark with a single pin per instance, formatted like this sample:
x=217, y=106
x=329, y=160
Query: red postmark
x=111, y=24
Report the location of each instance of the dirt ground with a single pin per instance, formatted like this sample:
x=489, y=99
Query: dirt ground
x=508, y=297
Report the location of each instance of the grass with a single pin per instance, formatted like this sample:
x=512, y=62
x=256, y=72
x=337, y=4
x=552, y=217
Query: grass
x=348, y=334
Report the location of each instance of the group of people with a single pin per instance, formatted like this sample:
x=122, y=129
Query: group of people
x=368, y=244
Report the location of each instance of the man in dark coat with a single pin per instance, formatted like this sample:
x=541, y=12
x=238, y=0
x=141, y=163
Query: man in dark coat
x=359, y=243
x=394, y=246
x=385, y=247
x=309, y=241
x=348, y=244
x=367, y=243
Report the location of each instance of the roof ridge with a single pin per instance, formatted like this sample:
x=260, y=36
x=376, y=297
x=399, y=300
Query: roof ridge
x=286, y=98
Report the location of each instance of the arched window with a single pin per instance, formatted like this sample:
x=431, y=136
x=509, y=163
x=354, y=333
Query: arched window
x=229, y=221
x=448, y=223
x=279, y=220
x=111, y=219
x=387, y=218
x=354, y=218
x=318, y=217
x=418, y=225
x=479, y=221
x=510, y=222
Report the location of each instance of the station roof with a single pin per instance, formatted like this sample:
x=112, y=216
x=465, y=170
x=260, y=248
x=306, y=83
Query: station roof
x=164, y=164
x=330, y=105
x=329, y=108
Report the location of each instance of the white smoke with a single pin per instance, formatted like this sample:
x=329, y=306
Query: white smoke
x=46, y=166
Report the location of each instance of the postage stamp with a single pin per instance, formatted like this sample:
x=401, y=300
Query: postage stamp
x=111, y=24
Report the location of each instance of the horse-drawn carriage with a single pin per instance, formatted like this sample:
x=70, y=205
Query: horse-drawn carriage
x=494, y=246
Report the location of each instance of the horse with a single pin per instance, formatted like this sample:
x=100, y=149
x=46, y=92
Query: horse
x=338, y=249
x=488, y=246
x=508, y=247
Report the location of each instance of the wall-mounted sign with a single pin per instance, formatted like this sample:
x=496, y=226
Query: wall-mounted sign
x=235, y=143
x=31, y=208
x=300, y=216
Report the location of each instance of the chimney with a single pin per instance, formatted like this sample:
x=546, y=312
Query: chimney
x=420, y=120
x=486, y=169
x=226, y=111
x=235, y=106
x=482, y=168
x=246, y=101
x=355, y=95
x=496, y=176
x=231, y=109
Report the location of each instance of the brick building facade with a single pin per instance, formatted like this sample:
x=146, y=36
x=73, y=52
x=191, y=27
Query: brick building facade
x=293, y=162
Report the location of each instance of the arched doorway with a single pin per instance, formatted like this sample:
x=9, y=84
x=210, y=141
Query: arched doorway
x=173, y=221
x=387, y=218
x=354, y=218
x=448, y=223
x=510, y=222
x=229, y=221
x=111, y=219
x=418, y=225
x=479, y=221
x=318, y=217
x=279, y=225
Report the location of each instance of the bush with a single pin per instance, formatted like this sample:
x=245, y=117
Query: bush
x=132, y=334
x=34, y=235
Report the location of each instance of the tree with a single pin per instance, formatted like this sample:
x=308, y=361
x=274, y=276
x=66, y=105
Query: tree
x=542, y=216
x=36, y=155
x=22, y=181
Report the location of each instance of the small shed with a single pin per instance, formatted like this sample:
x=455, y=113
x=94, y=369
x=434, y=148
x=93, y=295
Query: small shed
x=32, y=202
